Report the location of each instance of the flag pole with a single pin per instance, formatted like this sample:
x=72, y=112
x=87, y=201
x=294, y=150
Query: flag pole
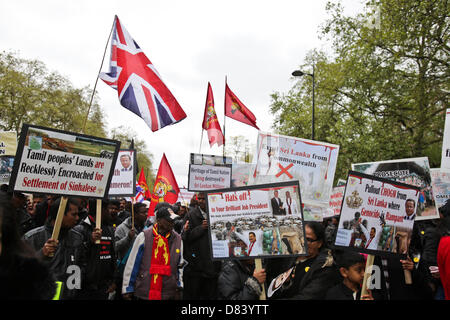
x=96, y=80
x=201, y=139
x=224, y=116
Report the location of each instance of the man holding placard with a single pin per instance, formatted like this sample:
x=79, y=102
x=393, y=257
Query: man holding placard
x=64, y=254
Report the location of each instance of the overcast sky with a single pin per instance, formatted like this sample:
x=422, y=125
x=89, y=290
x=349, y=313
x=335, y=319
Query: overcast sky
x=255, y=44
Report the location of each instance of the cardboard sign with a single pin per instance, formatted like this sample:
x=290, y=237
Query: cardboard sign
x=377, y=215
x=63, y=163
x=440, y=180
x=413, y=171
x=313, y=163
x=282, y=158
x=335, y=202
x=8, y=143
x=208, y=172
x=445, y=156
x=249, y=222
x=123, y=182
x=8, y=146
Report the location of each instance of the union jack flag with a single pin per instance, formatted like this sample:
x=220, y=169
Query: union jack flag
x=139, y=85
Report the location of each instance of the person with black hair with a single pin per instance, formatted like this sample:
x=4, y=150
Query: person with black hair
x=98, y=244
x=65, y=256
x=312, y=275
x=22, y=275
x=351, y=267
x=154, y=268
x=113, y=208
x=239, y=280
x=201, y=271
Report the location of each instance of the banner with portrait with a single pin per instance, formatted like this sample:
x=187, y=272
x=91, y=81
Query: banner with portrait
x=377, y=215
x=261, y=221
x=413, y=171
x=440, y=181
x=123, y=182
x=313, y=163
x=63, y=163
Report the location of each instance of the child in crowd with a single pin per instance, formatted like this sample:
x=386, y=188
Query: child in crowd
x=351, y=267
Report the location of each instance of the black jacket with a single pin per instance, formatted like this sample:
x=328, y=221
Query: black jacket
x=311, y=279
x=398, y=289
x=342, y=292
x=236, y=282
x=197, y=251
x=101, y=258
x=70, y=253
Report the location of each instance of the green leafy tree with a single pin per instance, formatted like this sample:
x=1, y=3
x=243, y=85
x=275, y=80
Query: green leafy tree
x=383, y=92
x=29, y=93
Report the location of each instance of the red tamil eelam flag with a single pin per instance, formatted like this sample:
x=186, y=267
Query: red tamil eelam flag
x=210, y=122
x=166, y=187
x=236, y=110
x=139, y=86
x=142, y=191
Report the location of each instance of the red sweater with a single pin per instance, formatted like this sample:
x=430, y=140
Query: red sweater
x=443, y=260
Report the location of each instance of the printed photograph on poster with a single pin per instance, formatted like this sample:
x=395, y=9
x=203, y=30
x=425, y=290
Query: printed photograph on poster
x=256, y=221
x=209, y=172
x=6, y=167
x=282, y=158
x=413, y=171
x=440, y=180
x=63, y=163
x=123, y=182
x=377, y=215
x=276, y=283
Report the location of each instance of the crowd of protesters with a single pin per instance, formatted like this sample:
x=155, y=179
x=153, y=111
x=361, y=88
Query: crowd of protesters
x=167, y=255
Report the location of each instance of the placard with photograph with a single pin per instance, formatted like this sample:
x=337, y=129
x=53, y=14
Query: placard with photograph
x=63, y=163
x=377, y=215
x=123, y=182
x=261, y=221
x=412, y=171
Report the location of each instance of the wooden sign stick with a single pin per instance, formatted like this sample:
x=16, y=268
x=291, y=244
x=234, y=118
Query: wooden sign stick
x=98, y=217
x=59, y=218
x=367, y=274
x=408, y=277
x=258, y=266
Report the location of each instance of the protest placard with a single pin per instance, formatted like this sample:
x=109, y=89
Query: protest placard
x=413, y=171
x=63, y=163
x=377, y=215
x=123, y=182
x=313, y=163
x=445, y=155
x=8, y=146
x=185, y=196
x=240, y=174
x=209, y=172
x=335, y=202
x=440, y=181
x=256, y=221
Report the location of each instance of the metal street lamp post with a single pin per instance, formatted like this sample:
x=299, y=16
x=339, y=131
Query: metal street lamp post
x=298, y=73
